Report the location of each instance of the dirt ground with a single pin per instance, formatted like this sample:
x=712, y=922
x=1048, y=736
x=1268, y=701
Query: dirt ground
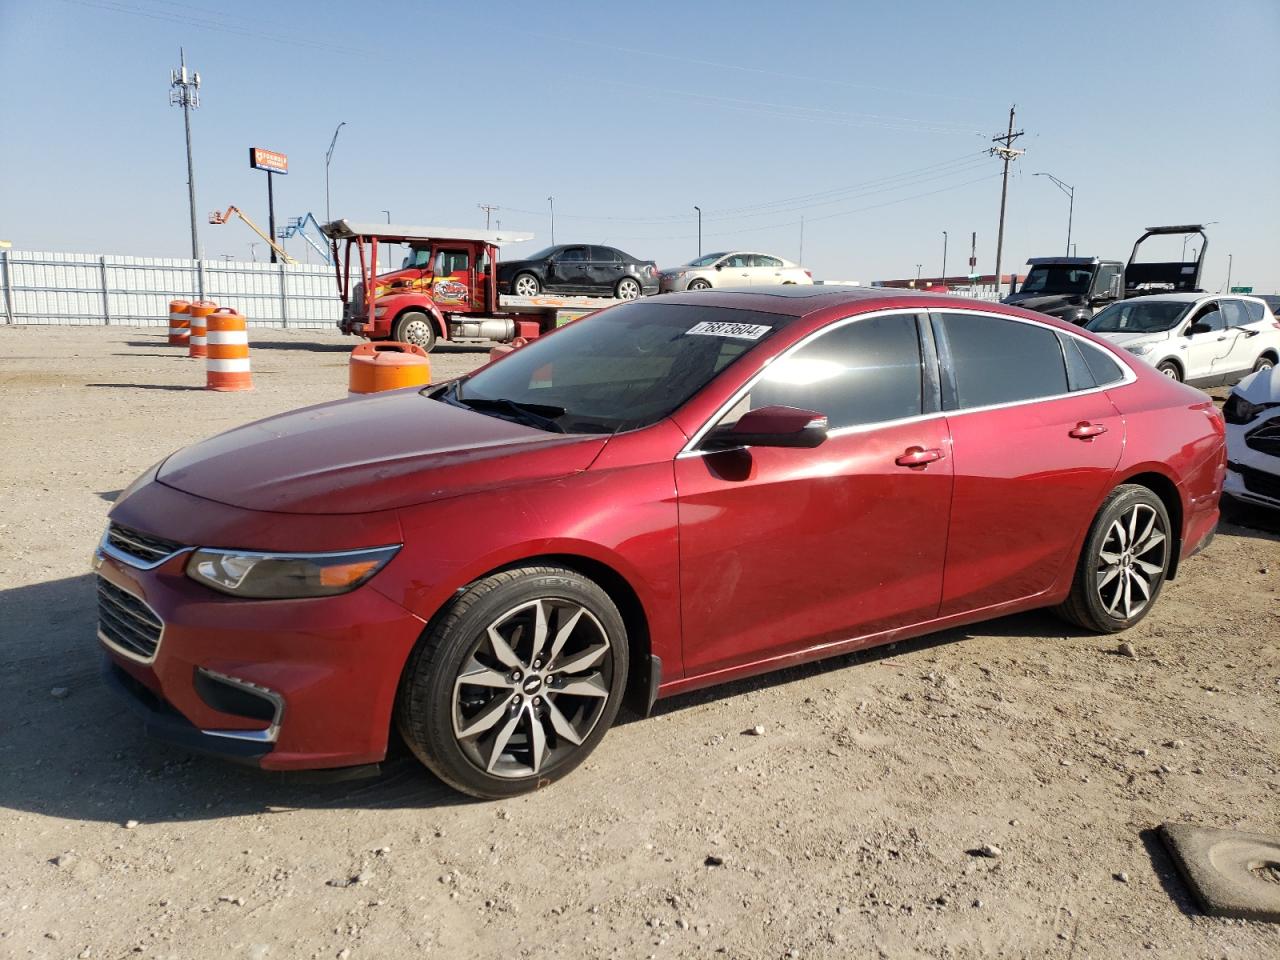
x=842, y=831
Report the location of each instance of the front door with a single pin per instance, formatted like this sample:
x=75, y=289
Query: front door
x=1033, y=459
x=1202, y=350
x=782, y=550
x=735, y=271
x=452, y=283
x=567, y=272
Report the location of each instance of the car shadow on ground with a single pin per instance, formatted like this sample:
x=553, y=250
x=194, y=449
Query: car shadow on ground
x=145, y=386
x=1247, y=520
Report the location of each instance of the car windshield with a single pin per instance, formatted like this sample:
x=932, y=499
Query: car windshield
x=625, y=368
x=1138, y=316
x=705, y=261
x=1057, y=278
x=540, y=255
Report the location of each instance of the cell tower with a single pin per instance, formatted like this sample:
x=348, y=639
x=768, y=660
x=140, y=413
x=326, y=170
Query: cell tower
x=184, y=91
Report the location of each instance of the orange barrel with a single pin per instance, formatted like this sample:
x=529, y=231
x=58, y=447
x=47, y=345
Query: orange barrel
x=179, y=323
x=196, y=344
x=390, y=365
x=502, y=349
x=228, y=365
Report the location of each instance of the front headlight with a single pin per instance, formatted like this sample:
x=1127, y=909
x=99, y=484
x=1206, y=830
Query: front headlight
x=1141, y=349
x=286, y=576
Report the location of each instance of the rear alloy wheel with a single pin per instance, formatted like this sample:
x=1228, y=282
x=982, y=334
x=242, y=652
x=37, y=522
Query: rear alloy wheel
x=1170, y=370
x=628, y=288
x=414, y=326
x=699, y=284
x=516, y=684
x=1123, y=564
x=526, y=285
x=1263, y=363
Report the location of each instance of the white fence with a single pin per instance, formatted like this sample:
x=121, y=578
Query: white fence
x=89, y=289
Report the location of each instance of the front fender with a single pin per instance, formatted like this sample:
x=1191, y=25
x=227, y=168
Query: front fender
x=391, y=306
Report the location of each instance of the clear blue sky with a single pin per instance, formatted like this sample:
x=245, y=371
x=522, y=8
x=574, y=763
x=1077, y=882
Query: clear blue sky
x=867, y=119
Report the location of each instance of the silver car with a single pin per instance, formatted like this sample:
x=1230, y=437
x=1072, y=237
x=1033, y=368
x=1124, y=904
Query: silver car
x=737, y=268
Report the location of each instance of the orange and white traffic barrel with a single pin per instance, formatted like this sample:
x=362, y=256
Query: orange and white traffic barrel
x=375, y=367
x=228, y=365
x=179, y=323
x=196, y=343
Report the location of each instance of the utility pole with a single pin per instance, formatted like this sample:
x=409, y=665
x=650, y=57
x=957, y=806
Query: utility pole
x=388, y=246
x=184, y=91
x=552, y=201
x=919, y=267
x=1005, y=152
x=1230, y=259
x=800, y=259
x=328, y=217
x=488, y=208
x=699, y=209
x=944, y=258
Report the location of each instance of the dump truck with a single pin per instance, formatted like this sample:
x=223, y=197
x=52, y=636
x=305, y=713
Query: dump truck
x=445, y=288
x=1075, y=288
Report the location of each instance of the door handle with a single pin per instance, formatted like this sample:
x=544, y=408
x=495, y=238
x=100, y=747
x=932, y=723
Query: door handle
x=1084, y=430
x=918, y=456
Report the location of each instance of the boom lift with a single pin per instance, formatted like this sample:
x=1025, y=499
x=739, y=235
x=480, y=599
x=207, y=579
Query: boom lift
x=298, y=227
x=217, y=217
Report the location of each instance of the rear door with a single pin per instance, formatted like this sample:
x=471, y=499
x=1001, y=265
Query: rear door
x=785, y=549
x=765, y=270
x=1033, y=457
x=605, y=269
x=736, y=271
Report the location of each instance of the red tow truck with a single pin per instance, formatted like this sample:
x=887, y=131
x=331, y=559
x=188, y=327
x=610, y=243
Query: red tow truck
x=446, y=288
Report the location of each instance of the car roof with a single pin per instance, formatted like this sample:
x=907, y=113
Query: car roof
x=799, y=300
x=1192, y=297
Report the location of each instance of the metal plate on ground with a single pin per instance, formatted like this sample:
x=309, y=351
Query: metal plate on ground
x=1230, y=874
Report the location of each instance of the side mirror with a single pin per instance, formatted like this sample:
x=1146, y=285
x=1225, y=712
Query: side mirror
x=770, y=427
x=1196, y=328
x=719, y=266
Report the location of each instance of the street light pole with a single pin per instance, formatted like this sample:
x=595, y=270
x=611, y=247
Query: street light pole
x=552, y=201
x=1070, y=191
x=699, y=209
x=387, y=245
x=918, y=268
x=944, y=258
x=328, y=217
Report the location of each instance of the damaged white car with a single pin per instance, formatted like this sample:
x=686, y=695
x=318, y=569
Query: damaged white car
x=1252, y=413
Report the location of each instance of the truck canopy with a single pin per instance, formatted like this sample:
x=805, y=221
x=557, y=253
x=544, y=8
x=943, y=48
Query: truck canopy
x=1171, y=275
x=398, y=233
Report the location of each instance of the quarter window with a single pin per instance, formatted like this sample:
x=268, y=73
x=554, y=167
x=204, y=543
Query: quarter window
x=864, y=372
x=1079, y=376
x=1002, y=361
x=1102, y=365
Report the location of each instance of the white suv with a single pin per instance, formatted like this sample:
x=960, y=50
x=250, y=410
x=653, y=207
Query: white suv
x=1199, y=338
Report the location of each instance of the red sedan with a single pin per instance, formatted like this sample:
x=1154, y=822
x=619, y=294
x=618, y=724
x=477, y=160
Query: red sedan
x=667, y=495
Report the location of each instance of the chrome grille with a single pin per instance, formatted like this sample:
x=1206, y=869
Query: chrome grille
x=141, y=546
x=126, y=623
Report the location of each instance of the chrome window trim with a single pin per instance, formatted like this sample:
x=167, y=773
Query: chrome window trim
x=129, y=654
x=690, y=450
x=268, y=735
x=105, y=546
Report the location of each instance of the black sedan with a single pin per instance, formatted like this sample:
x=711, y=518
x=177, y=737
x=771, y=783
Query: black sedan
x=578, y=268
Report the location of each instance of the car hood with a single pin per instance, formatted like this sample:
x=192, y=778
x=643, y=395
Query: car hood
x=510, y=266
x=1261, y=387
x=1043, y=301
x=1131, y=339
x=381, y=452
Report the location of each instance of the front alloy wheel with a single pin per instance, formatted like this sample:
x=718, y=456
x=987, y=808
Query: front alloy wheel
x=526, y=285
x=514, y=684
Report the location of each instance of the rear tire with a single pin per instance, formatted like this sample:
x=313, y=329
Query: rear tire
x=628, y=288
x=1123, y=563
x=416, y=327
x=1170, y=370
x=498, y=717
x=1263, y=363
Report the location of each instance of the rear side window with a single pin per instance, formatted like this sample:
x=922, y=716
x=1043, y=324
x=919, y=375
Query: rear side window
x=1235, y=313
x=1002, y=361
x=1257, y=311
x=864, y=372
x=604, y=254
x=1102, y=365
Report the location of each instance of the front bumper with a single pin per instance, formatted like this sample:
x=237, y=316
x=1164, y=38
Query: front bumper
x=324, y=670
x=1248, y=484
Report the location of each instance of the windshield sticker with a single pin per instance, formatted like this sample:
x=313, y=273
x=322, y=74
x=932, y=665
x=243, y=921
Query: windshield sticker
x=720, y=328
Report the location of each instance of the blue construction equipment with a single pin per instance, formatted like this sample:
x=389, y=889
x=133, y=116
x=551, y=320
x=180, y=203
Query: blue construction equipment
x=298, y=227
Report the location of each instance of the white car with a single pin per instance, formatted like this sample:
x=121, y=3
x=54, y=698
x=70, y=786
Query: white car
x=1198, y=338
x=1252, y=413
x=739, y=268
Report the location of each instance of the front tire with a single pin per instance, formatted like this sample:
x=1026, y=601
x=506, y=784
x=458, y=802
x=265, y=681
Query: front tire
x=516, y=682
x=416, y=327
x=699, y=284
x=1123, y=564
x=1170, y=370
x=526, y=285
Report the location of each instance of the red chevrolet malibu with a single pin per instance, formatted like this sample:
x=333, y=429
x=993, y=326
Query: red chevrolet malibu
x=672, y=493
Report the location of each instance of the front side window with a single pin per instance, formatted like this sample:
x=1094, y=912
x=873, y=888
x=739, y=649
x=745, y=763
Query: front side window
x=1108, y=273
x=573, y=255
x=625, y=368
x=864, y=372
x=418, y=258
x=1211, y=317
x=997, y=361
